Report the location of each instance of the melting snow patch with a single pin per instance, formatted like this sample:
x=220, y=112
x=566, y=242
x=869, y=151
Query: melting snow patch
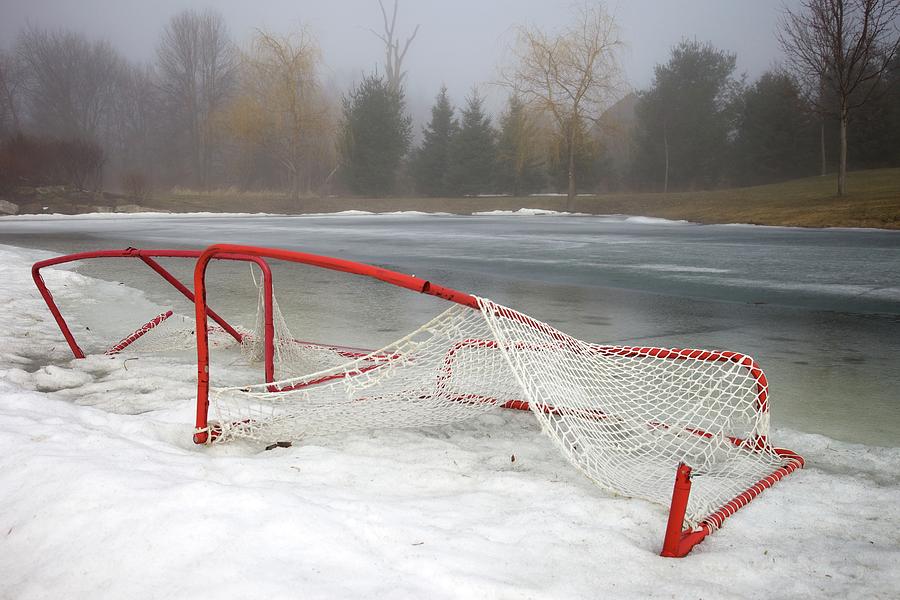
x=528, y=212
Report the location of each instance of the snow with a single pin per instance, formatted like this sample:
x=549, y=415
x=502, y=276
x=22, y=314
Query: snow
x=224, y=215
x=558, y=195
x=522, y=212
x=105, y=495
x=654, y=221
x=542, y=212
x=528, y=212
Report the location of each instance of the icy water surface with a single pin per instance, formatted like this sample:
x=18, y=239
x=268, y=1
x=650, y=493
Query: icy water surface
x=819, y=309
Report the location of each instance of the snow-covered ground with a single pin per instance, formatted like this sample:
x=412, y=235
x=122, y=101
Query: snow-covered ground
x=103, y=495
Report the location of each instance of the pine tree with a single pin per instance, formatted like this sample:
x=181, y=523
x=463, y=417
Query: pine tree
x=471, y=167
x=375, y=135
x=432, y=158
x=683, y=120
x=775, y=138
x=518, y=168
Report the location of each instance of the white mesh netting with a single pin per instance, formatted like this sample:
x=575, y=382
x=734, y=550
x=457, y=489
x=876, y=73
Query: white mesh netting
x=624, y=416
x=176, y=333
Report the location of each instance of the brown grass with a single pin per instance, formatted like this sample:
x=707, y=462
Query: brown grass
x=873, y=201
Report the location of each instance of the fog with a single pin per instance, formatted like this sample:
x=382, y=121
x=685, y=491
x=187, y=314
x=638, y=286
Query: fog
x=161, y=100
x=459, y=44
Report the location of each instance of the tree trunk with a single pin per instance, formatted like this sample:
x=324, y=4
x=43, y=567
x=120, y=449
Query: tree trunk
x=666, y=149
x=570, y=198
x=842, y=172
x=822, y=147
x=294, y=181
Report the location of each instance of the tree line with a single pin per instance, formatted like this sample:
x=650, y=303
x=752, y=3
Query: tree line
x=207, y=113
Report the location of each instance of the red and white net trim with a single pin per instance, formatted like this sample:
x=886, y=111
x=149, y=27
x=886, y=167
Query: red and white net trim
x=623, y=416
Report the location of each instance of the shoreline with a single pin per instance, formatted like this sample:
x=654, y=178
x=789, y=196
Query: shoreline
x=146, y=212
x=873, y=202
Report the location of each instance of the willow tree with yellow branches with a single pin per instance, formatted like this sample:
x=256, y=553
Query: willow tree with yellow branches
x=572, y=75
x=282, y=109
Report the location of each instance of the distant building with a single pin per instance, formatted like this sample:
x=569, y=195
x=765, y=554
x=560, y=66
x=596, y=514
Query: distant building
x=614, y=134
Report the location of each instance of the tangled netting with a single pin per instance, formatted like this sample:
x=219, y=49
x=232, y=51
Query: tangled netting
x=170, y=332
x=625, y=416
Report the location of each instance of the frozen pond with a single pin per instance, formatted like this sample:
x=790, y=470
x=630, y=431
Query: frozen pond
x=819, y=309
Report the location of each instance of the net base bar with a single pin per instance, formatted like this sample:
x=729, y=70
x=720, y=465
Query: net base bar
x=139, y=333
x=678, y=543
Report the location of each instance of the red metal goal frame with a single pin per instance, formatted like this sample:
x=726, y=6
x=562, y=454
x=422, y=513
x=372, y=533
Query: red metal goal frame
x=148, y=257
x=678, y=542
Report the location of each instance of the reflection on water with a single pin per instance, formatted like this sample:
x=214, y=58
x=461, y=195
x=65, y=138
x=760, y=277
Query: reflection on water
x=820, y=310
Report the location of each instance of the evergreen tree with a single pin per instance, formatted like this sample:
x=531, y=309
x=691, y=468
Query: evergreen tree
x=430, y=164
x=874, y=138
x=375, y=135
x=519, y=168
x=683, y=120
x=775, y=139
x=471, y=167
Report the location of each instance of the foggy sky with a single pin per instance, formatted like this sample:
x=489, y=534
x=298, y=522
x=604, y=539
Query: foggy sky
x=460, y=42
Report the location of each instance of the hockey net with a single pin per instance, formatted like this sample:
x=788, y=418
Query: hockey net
x=625, y=416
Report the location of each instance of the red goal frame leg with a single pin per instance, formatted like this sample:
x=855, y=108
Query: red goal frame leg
x=678, y=543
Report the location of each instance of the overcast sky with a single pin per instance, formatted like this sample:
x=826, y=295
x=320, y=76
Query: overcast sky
x=460, y=42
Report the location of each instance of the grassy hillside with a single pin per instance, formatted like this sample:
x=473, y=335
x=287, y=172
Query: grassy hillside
x=873, y=200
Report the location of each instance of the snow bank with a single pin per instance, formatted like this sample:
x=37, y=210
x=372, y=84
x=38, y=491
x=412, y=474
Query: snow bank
x=522, y=212
x=542, y=212
x=528, y=212
x=559, y=195
x=206, y=215
x=654, y=221
x=104, y=495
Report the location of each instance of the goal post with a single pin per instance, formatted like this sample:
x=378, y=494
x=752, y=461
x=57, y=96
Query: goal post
x=630, y=418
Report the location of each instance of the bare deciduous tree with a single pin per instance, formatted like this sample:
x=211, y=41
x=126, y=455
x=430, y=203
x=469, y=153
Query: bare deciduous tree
x=197, y=64
x=843, y=47
x=12, y=79
x=72, y=82
x=393, y=55
x=572, y=75
x=134, y=145
x=81, y=163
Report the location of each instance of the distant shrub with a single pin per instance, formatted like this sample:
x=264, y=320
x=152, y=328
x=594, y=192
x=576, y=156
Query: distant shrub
x=136, y=185
x=32, y=161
